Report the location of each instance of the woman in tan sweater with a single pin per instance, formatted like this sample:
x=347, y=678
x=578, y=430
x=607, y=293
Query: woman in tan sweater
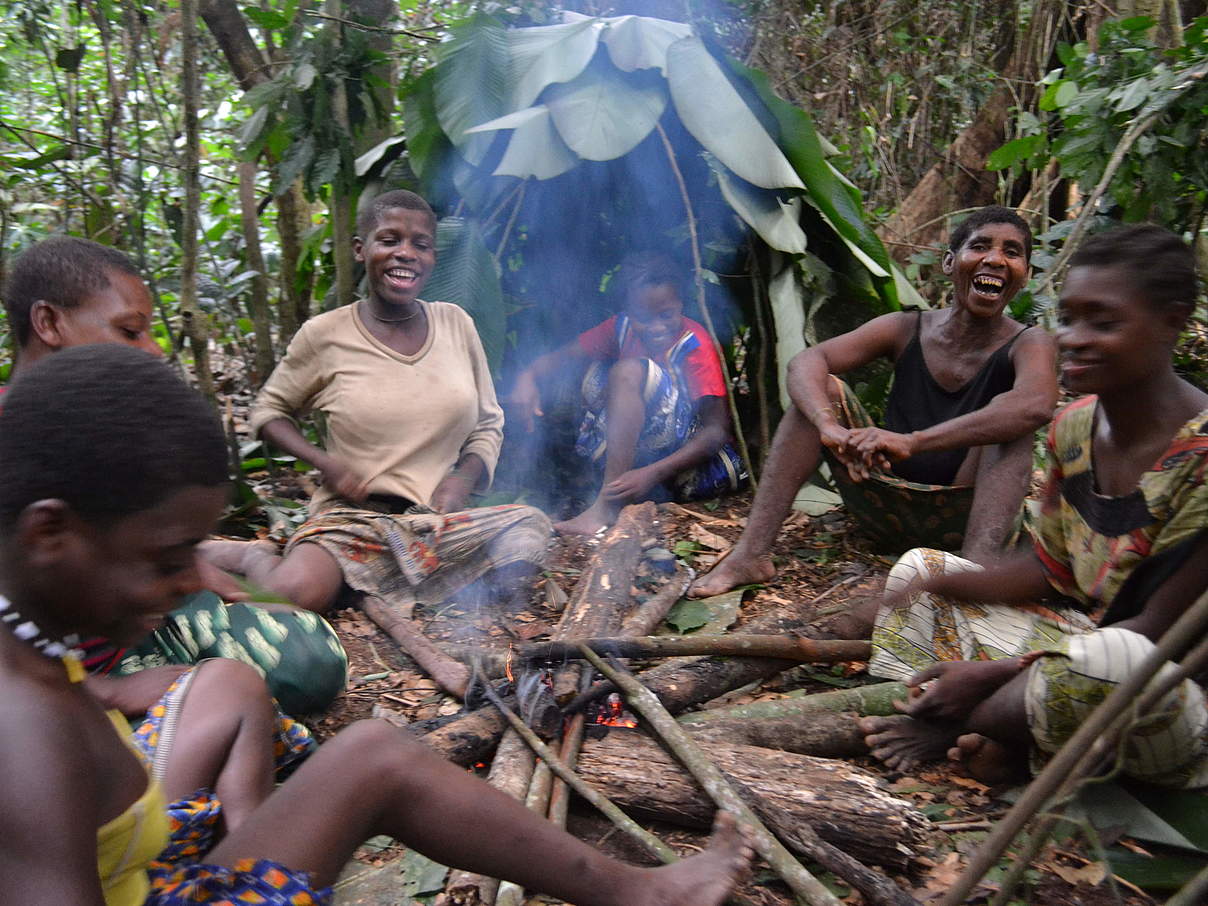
x=413, y=427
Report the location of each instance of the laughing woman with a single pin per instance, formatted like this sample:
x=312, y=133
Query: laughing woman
x=413, y=428
x=1008, y=661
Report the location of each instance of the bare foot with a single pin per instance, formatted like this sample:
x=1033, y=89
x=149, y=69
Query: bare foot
x=597, y=516
x=704, y=879
x=986, y=760
x=730, y=573
x=902, y=742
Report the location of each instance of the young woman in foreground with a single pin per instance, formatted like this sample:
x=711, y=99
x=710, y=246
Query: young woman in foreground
x=104, y=499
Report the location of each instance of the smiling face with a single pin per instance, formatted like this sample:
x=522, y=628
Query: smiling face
x=988, y=269
x=656, y=315
x=117, y=580
x=118, y=313
x=1110, y=337
x=399, y=255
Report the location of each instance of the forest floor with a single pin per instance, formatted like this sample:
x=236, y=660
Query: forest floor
x=819, y=560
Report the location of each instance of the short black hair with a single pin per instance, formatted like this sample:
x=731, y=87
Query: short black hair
x=109, y=429
x=640, y=270
x=371, y=214
x=60, y=270
x=992, y=213
x=1160, y=265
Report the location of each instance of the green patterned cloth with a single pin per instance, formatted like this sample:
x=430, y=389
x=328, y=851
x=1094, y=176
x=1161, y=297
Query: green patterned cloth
x=893, y=513
x=296, y=651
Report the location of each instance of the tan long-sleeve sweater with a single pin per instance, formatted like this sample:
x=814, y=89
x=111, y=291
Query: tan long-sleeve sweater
x=400, y=421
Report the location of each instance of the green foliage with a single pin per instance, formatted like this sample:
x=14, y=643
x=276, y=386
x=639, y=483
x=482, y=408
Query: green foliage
x=467, y=276
x=1092, y=99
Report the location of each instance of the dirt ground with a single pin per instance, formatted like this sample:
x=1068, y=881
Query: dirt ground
x=818, y=560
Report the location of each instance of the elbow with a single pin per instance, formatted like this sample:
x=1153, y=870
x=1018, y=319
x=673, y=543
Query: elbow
x=1039, y=414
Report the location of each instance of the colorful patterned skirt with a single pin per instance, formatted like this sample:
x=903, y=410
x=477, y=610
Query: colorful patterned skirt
x=424, y=557
x=179, y=876
x=670, y=421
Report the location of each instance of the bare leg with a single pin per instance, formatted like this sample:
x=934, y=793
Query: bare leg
x=1000, y=485
x=309, y=576
x=224, y=740
x=374, y=779
x=794, y=457
x=626, y=414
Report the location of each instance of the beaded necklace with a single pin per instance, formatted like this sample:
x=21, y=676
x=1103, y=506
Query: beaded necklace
x=28, y=631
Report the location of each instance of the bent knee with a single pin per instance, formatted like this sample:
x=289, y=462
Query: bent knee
x=232, y=675
x=380, y=748
x=629, y=372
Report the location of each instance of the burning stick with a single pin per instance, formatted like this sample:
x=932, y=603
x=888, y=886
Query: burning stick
x=805, y=886
x=771, y=646
x=653, y=844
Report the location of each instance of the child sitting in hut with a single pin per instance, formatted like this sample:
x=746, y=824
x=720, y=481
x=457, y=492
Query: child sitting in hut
x=655, y=395
x=104, y=500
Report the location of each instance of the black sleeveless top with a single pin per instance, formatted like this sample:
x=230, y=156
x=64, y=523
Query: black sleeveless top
x=917, y=402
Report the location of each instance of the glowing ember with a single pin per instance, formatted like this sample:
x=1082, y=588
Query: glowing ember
x=613, y=714
x=507, y=666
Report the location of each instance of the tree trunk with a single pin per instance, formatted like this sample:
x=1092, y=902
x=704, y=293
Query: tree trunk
x=843, y=803
x=250, y=67
x=194, y=319
x=258, y=308
x=959, y=179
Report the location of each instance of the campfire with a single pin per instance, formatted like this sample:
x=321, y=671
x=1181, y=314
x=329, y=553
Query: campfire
x=546, y=698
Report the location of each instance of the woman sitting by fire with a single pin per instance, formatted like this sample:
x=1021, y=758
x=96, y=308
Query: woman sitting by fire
x=413, y=428
x=655, y=396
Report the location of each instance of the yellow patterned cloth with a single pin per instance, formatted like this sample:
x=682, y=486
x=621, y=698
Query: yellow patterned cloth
x=1166, y=746
x=1105, y=555
x=932, y=628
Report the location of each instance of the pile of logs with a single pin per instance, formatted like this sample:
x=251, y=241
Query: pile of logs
x=775, y=764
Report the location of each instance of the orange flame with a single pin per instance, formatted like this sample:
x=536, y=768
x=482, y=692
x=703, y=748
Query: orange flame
x=613, y=714
x=507, y=666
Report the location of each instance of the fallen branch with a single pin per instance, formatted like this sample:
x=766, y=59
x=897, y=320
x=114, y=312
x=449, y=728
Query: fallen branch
x=805, y=886
x=876, y=699
x=450, y=675
x=647, y=616
x=780, y=647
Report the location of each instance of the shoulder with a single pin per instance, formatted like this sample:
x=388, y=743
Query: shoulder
x=452, y=316
x=325, y=327
x=1073, y=422
x=1034, y=339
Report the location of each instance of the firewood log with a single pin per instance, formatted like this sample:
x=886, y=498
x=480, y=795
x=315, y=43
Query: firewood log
x=825, y=734
x=843, y=803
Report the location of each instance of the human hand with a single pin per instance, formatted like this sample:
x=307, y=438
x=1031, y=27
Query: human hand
x=525, y=400
x=452, y=493
x=221, y=583
x=839, y=441
x=135, y=694
x=345, y=482
x=632, y=485
x=879, y=448
x=950, y=690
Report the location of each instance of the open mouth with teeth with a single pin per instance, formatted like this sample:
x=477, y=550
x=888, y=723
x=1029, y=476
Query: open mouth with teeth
x=989, y=285
x=401, y=277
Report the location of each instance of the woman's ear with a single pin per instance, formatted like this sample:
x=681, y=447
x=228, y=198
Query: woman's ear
x=46, y=322
x=947, y=262
x=358, y=249
x=46, y=531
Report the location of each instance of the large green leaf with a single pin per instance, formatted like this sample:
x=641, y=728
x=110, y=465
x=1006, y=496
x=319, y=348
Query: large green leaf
x=839, y=204
x=774, y=220
x=717, y=117
x=535, y=148
x=427, y=144
x=548, y=54
x=640, y=42
x=471, y=83
x=788, y=317
x=604, y=114
x=466, y=275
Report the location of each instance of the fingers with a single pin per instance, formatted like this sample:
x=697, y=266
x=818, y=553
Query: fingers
x=927, y=673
